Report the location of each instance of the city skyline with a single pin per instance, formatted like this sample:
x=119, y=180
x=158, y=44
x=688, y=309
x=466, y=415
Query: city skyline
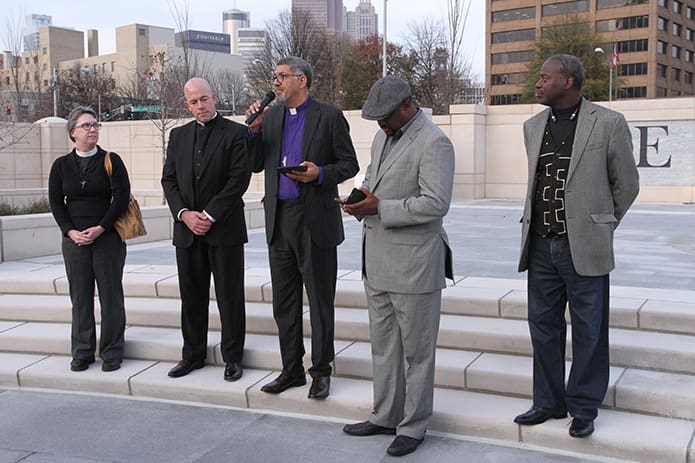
x=157, y=13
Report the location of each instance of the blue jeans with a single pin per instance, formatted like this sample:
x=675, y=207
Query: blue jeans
x=552, y=282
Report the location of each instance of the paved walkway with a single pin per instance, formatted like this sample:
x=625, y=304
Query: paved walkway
x=38, y=427
x=655, y=247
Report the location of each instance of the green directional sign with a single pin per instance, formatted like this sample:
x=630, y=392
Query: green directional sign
x=146, y=109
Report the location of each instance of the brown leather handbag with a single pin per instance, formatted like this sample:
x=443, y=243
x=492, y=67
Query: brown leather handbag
x=130, y=224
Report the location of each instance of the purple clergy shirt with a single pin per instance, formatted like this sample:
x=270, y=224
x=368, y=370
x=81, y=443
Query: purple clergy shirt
x=291, y=155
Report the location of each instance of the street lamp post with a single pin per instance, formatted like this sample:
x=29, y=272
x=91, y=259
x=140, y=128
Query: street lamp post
x=610, y=73
x=55, y=92
x=384, y=51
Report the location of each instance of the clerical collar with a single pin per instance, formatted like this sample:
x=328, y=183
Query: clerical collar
x=86, y=154
x=203, y=124
x=565, y=114
x=300, y=108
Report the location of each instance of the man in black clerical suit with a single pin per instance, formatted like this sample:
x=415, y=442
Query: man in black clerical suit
x=205, y=175
x=302, y=219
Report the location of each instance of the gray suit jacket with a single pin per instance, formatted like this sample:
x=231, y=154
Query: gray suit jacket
x=405, y=248
x=602, y=183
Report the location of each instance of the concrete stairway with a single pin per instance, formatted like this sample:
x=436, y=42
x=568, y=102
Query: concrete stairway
x=483, y=374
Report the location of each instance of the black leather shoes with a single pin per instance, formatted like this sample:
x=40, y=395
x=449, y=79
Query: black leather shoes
x=366, y=428
x=110, y=365
x=581, y=428
x=184, y=367
x=403, y=445
x=320, y=387
x=282, y=383
x=534, y=416
x=233, y=371
x=80, y=364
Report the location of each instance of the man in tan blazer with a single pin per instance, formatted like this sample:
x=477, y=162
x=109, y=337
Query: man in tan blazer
x=406, y=258
x=582, y=179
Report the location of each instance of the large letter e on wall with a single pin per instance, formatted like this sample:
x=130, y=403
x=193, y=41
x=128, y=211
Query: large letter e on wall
x=643, y=145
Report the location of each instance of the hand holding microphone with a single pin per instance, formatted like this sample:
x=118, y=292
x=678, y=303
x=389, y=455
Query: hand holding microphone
x=257, y=109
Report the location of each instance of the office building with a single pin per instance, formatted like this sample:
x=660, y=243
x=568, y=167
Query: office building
x=362, y=22
x=232, y=21
x=201, y=40
x=251, y=45
x=655, y=41
x=32, y=24
x=327, y=14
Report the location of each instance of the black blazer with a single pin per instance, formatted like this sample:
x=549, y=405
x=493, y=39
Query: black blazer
x=327, y=144
x=224, y=179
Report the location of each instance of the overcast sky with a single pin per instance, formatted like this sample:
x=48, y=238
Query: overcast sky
x=105, y=16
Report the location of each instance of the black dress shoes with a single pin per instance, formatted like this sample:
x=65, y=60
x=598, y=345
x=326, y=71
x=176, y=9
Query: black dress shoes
x=581, y=428
x=233, y=371
x=367, y=428
x=282, y=383
x=320, y=387
x=184, y=367
x=534, y=416
x=110, y=365
x=80, y=364
x=403, y=445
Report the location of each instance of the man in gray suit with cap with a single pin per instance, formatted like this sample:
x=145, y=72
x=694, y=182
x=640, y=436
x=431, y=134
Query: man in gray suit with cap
x=406, y=260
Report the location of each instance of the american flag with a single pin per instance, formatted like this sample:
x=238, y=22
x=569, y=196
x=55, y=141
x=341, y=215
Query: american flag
x=615, y=59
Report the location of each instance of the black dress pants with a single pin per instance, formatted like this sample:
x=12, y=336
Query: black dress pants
x=295, y=261
x=226, y=264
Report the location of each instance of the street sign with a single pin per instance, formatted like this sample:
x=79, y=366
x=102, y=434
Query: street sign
x=146, y=109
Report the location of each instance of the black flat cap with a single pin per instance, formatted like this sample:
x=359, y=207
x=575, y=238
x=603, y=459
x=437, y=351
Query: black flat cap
x=384, y=97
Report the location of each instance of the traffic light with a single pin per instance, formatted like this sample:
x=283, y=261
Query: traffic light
x=9, y=109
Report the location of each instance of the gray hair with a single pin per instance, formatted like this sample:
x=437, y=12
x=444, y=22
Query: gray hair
x=572, y=67
x=75, y=114
x=298, y=66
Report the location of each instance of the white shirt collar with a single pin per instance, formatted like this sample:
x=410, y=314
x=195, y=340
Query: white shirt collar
x=87, y=154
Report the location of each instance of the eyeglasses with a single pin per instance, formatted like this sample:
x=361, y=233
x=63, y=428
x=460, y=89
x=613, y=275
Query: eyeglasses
x=89, y=126
x=282, y=76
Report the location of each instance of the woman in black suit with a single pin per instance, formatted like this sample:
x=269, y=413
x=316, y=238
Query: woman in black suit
x=85, y=203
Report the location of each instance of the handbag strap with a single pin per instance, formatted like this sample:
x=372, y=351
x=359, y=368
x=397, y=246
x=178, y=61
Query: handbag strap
x=107, y=163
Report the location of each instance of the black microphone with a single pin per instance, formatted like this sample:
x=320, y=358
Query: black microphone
x=270, y=96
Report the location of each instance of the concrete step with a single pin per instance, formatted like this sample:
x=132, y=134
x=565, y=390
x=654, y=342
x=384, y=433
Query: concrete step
x=646, y=309
x=619, y=435
x=633, y=389
x=629, y=347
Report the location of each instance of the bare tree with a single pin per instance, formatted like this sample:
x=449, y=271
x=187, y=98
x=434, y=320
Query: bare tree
x=426, y=44
x=12, y=133
x=164, y=90
x=181, y=16
x=458, y=68
x=232, y=92
x=87, y=87
x=13, y=43
x=440, y=73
